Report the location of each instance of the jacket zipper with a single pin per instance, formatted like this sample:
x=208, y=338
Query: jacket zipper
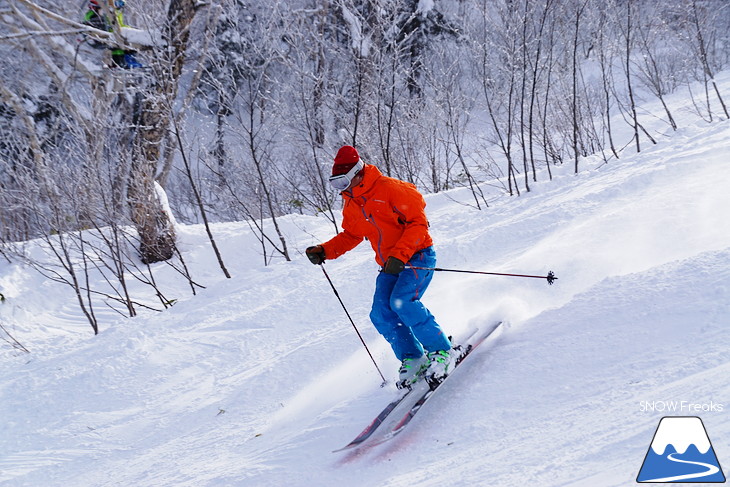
x=371, y=220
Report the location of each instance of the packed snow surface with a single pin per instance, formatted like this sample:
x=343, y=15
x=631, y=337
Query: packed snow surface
x=256, y=379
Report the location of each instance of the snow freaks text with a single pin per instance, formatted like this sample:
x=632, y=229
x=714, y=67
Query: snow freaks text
x=683, y=407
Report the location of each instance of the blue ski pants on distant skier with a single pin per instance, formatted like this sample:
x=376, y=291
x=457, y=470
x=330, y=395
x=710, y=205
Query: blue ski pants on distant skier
x=398, y=313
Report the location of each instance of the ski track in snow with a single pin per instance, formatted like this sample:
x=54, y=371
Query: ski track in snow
x=257, y=379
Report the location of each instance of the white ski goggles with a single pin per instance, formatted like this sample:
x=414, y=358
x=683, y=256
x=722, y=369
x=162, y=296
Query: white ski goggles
x=342, y=181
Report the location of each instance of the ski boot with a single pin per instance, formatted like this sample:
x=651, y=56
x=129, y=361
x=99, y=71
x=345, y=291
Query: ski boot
x=411, y=370
x=441, y=363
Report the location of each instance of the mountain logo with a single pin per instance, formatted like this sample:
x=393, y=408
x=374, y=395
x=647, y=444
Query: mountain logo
x=681, y=452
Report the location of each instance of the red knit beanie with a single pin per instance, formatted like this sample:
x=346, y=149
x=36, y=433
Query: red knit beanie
x=345, y=160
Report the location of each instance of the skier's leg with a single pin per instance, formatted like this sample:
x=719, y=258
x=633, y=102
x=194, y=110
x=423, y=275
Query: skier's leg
x=388, y=323
x=405, y=301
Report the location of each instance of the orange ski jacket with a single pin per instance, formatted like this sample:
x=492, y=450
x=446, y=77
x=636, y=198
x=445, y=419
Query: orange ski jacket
x=386, y=211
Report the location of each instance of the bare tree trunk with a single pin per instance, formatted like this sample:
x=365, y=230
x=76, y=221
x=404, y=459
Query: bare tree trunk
x=702, y=45
x=650, y=68
x=523, y=95
x=452, y=125
x=547, y=147
x=632, y=102
x=385, y=121
x=575, y=107
x=267, y=194
x=254, y=109
x=156, y=234
x=318, y=94
x=606, y=82
x=533, y=89
x=199, y=202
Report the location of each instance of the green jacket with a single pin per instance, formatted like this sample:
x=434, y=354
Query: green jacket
x=97, y=21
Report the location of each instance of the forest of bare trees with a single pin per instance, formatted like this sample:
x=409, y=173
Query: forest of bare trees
x=241, y=105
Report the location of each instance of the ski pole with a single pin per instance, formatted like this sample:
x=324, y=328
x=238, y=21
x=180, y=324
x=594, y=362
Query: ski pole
x=550, y=276
x=353, y=325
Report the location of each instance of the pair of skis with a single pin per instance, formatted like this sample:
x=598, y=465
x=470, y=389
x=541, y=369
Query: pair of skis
x=407, y=405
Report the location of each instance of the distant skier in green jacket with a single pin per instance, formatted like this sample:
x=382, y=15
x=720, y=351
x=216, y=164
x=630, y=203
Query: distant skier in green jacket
x=95, y=18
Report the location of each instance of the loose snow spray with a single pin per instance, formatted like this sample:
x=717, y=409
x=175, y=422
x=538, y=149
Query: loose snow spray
x=550, y=279
x=353, y=325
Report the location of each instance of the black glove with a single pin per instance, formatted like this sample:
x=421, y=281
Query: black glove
x=315, y=254
x=393, y=266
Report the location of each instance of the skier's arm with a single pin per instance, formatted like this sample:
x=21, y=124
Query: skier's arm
x=341, y=243
x=410, y=206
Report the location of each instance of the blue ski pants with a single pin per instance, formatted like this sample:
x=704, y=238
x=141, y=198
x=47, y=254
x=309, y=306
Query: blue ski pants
x=398, y=313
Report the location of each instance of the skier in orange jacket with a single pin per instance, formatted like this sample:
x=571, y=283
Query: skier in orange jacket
x=391, y=214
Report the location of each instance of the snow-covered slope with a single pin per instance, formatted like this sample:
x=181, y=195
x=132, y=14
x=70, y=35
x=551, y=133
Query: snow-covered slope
x=258, y=378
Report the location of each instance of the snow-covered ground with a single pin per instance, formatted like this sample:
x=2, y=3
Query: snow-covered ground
x=254, y=381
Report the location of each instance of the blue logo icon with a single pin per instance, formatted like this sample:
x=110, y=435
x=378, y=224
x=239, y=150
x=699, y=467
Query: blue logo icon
x=681, y=452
